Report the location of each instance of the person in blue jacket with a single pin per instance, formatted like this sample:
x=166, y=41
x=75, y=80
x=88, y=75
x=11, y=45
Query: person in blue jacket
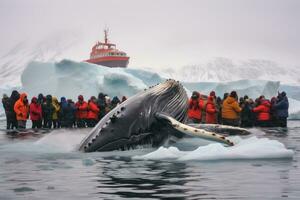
x=282, y=109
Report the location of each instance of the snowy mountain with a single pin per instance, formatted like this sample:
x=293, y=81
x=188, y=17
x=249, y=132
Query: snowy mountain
x=225, y=69
x=52, y=48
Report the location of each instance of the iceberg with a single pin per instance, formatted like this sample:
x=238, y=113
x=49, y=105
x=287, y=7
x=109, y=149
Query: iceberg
x=70, y=78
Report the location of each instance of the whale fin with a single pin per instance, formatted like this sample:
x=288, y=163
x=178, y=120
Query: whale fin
x=201, y=133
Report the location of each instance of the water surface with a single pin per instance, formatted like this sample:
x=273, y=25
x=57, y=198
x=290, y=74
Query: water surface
x=51, y=168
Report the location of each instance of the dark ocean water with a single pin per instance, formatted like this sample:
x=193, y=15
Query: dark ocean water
x=50, y=168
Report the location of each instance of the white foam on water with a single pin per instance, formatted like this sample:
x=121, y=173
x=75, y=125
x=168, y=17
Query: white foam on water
x=64, y=140
x=250, y=148
x=58, y=141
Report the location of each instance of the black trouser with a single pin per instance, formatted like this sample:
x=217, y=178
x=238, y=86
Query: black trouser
x=261, y=123
x=21, y=124
x=282, y=122
x=246, y=123
x=56, y=123
x=92, y=122
x=81, y=123
x=9, y=123
x=36, y=124
x=230, y=122
x=47, y=123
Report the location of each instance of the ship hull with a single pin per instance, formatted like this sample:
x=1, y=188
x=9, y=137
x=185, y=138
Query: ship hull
x=110, y=62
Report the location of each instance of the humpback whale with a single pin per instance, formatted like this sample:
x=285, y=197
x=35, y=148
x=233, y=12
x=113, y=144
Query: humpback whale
x=150, y=117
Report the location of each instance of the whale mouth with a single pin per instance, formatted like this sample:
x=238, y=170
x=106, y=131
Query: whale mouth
x=122, y=144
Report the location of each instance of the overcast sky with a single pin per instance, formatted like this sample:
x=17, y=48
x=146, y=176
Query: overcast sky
x=164, y=32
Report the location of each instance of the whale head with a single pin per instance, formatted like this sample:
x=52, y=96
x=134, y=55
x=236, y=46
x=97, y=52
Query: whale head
x=134, y=121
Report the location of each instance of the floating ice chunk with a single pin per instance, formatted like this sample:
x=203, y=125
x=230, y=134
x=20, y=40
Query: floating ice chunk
x=250, y=148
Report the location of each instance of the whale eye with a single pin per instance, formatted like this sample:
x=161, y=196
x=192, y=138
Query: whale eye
x=222, y=137
x=196, y=130
x=122, y=108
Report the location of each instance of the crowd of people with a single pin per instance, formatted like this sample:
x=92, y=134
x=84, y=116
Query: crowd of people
x=48, y=112
x=234, y=111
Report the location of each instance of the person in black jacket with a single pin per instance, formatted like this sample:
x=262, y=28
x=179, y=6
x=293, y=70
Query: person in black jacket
x=282, y=109
x=67, y=113
x=9, y=110
x=247, y=116
x=101, y=103
x=48, y=110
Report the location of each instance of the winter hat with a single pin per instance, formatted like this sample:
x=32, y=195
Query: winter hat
x=34, y=100
x=233, y=94
x=212, y=94
x=283, y=94
x=195, y=95
x=80, y=97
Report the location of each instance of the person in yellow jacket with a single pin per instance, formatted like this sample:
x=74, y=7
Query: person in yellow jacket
x=56, y=106
x=231, y=110
x=21, y=109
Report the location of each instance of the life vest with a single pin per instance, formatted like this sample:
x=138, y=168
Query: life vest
x=35, y=111
x=195, y=108
x=230, y=108
x=93, y=111
x=211, y=111
x=263, y=111
x=21, y=109
x=82, y=110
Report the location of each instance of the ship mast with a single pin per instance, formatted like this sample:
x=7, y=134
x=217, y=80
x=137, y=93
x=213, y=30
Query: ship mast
x=105, y=36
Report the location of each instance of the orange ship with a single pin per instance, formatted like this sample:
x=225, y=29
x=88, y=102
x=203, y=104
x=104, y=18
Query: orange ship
x=107, y=54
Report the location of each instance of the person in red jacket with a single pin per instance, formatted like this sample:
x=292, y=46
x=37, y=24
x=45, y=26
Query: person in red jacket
x=21, y=109
x=263, y=112
x=195, y=108
x=35, y=110
x=211, y=111
x=82, y=112
x=93, y=112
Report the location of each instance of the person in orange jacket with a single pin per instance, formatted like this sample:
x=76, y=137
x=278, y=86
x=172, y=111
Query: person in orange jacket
x=195, y=108
x=211, y=111
x=21, y=108
x=231, y=110
x=82, y=112
x=263, y=112
x=93, y=112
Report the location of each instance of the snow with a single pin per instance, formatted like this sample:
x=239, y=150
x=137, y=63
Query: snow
x=224, y=69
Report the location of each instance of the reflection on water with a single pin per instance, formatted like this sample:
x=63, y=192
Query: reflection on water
x=143, y=179
x=47, y=169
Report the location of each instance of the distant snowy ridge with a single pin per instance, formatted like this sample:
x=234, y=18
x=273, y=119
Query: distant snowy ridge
x=53, y=48
x=225, y=69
